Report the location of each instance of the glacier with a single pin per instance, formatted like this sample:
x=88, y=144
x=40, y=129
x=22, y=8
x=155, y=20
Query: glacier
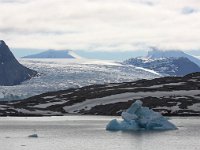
x=138, y=117
x=62, y=74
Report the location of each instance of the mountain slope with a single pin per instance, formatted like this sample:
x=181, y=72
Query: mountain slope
x=166, y=66
x=55, y=54
x=156, y=54
x=11, y=71
x=168, y=63
x=175, y=96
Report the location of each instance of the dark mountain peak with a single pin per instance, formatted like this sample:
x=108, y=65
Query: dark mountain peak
x=11, y=71
x=55, y=54
x=3, y=45
x=2, y=42
x=5, y=53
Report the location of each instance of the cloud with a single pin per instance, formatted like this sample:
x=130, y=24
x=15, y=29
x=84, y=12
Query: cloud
x=100, y=25
x=13, y=1
x=189, y=10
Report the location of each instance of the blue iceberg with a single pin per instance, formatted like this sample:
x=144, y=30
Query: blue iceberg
x=140, y=118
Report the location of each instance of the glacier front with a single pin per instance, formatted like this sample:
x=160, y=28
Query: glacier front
x=138, y=117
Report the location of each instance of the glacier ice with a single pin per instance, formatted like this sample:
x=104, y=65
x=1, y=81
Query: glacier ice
x=138, y=117
x=62, y=74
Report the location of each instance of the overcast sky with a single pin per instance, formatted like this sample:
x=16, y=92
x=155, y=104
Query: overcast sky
x=106, y=25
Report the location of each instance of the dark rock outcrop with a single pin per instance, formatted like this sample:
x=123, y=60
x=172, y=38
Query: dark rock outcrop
x=11, y=71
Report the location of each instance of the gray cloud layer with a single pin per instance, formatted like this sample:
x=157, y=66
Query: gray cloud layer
x=112, y=25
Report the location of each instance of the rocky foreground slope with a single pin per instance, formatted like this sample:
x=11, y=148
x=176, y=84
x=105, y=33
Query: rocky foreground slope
x=172, y=96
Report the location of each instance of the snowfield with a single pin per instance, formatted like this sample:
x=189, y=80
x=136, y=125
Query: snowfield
x=61, y=74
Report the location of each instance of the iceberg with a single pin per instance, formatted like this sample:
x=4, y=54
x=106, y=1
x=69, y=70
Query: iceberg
x=138, y=117
x=33, y=136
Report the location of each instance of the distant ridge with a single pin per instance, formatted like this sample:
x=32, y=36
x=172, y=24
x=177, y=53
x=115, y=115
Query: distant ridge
x=55, y=54
x=166, y=66
x=11, y=71
x=167, y=63
x=157, y=53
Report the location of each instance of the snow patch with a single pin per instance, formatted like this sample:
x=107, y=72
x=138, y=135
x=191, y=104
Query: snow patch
x=195, y=107
x=152, y=71
x=124, y=97
x=49, y=104
x=48, y=97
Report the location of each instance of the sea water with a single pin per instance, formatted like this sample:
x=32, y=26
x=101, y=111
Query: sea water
x=88, y=133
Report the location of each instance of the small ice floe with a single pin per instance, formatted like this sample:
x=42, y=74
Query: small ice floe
x=140, y=118
x=33, y=135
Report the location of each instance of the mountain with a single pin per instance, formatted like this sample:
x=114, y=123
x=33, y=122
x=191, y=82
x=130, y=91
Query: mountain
x=11, y=71
x=168, y=63
x=156, y=54
x=55, y=54
x=179, y=66
x=172, y=96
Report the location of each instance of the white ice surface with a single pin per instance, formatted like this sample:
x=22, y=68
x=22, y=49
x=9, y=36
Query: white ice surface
x=49, y=104
x=195, y=107
x=39, y=112
x=48, y=97
x=60, y=74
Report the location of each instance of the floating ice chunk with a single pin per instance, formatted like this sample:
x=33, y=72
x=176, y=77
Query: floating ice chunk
x=115, y=125
x=33, y=136
x=127, y=116
x=140, y=118
x=134, y=107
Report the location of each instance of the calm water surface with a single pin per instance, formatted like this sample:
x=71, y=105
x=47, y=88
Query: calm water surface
x=88, y=133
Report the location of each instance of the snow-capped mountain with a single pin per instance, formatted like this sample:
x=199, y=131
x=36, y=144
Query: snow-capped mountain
x=166, y=66
x=55, y=54
x=172, y=96
x=173, y=63
x=157, y=54
x=11, y=71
